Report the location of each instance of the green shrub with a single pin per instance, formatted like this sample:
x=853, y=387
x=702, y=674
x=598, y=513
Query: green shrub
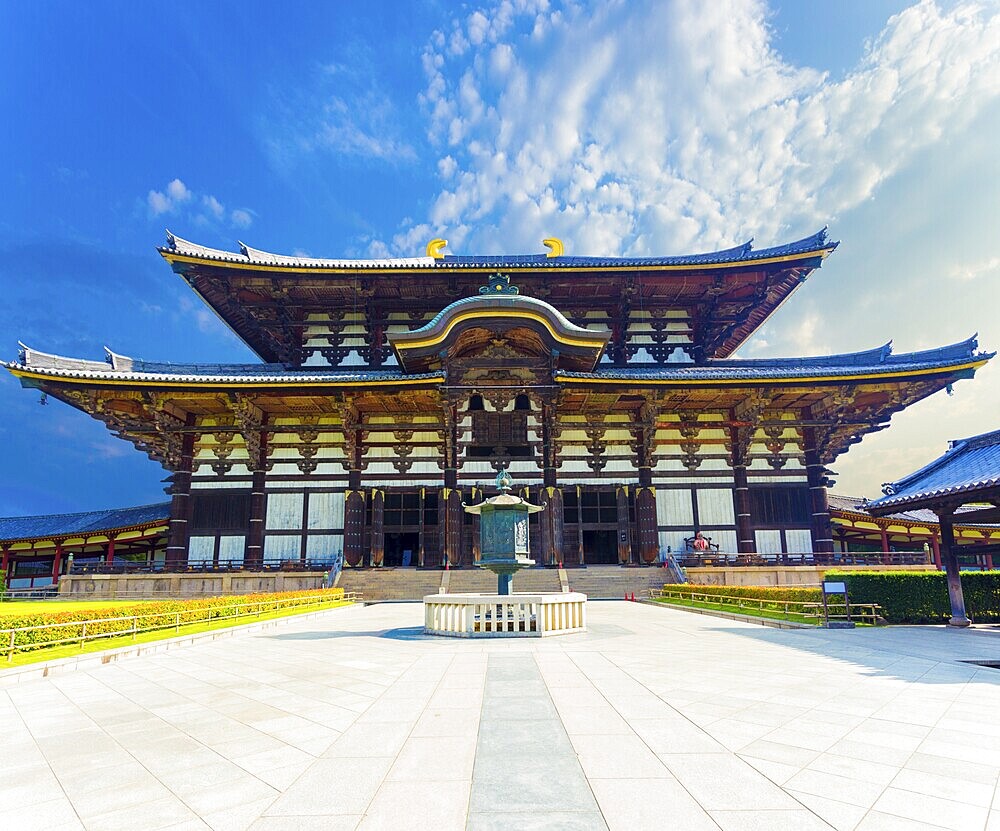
x=922, y=596
x=776, y=594
x=118, y=619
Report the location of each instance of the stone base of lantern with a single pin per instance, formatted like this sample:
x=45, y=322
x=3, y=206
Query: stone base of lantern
x=505, y=615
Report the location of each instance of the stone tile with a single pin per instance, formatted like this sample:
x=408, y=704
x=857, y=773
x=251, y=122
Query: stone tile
x=630, y=804
x=41, y=816
x=370, y=739
x=674, y=734
x=722, y=782
x=158, y=814
x=593, y=720
x=447, y=721
x=441, y=806
x=946, y=787
x=840, y=815
x=945, y=813
x=617, y=757
x=437, y=759
x=773, y=751
x=537, y=821
x=783, y=820
x=340, y=822
x=333, y=786
x=852, y=791
x=552, y=789
x=877, y=821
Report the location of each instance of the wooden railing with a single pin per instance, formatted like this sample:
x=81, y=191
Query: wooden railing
x=135, y=625
x=697, y=559
x=860, y=612
x=197, y=566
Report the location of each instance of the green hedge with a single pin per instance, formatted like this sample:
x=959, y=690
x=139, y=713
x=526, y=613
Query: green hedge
x=118, y=619
x=778, y=594
x=922, y=596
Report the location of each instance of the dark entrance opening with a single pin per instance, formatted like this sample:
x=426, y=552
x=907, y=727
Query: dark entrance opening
x=401, y=549
x=600, y=547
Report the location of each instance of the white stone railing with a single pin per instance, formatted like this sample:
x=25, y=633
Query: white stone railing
x=505, y=615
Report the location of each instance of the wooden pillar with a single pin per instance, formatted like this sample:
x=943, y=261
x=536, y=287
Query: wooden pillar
x=354, y=498
x=354, y=527
x=253, y=555
x=57, y=562
x=450, y=517
x=5, y=566
x=745, y=540
x=579, y=524
x=821, y=527
x=883, y=534
x=377, y=530
x=936, y=550
x=109, y=556
x=646, y=524
x=180, y=502
x=420, y=544
x=624, y=531
x=450, y=514
x=949, y=554
x=551, y=525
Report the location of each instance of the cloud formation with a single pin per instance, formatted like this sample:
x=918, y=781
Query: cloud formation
x=203, y=211
x=653, y=127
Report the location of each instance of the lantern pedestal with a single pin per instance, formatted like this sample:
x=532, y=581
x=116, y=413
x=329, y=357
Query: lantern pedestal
x=504, y=548
x=505, y=615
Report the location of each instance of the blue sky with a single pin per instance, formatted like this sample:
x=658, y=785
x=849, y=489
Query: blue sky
x=640, y=127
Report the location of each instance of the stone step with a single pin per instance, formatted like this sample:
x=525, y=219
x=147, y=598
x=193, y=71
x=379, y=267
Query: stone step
x=597, y=582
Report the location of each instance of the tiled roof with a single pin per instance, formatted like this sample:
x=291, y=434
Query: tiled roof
x=121, y=368
x=88, y=522
x=742, y=253
x=968, y=468
x=872, y=361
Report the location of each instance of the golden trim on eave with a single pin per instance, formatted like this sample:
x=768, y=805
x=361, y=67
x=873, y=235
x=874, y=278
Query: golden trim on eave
x=755, y=382
x=120, y=382
x=598, y=340
x=188, y=258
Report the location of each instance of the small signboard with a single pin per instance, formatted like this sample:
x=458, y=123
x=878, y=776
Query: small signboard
x=836, y=587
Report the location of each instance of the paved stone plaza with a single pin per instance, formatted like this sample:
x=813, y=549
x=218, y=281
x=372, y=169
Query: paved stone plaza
x=653, y=719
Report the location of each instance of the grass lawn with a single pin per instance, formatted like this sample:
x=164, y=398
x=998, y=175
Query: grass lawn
x=53, y=652
x=31, y=607
x=768, y=614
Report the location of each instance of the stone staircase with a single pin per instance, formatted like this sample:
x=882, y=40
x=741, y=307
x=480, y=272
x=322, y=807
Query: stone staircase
x=597, y=582
x=614, y=582
x=390, y=583
x=526, y=581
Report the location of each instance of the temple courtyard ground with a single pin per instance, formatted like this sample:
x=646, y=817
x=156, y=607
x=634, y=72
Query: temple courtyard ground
x=655, y=718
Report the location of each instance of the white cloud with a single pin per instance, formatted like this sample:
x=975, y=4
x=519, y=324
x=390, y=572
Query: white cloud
x=356, y=119
x=654, y=127
x=158, y=203
x=204, y=211
x=178, y=191
x=241, y=218
x=214, y=206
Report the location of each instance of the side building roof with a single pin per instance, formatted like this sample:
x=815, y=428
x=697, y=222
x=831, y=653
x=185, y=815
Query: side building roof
x=15, y=529
x=968, y=469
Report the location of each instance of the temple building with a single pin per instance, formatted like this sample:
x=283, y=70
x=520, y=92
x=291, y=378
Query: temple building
x=392, y=390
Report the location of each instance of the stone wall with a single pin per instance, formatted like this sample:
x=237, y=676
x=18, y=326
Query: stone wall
x=777, y=575
x=150, y=586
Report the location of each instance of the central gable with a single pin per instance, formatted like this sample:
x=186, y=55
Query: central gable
x=499, y=328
